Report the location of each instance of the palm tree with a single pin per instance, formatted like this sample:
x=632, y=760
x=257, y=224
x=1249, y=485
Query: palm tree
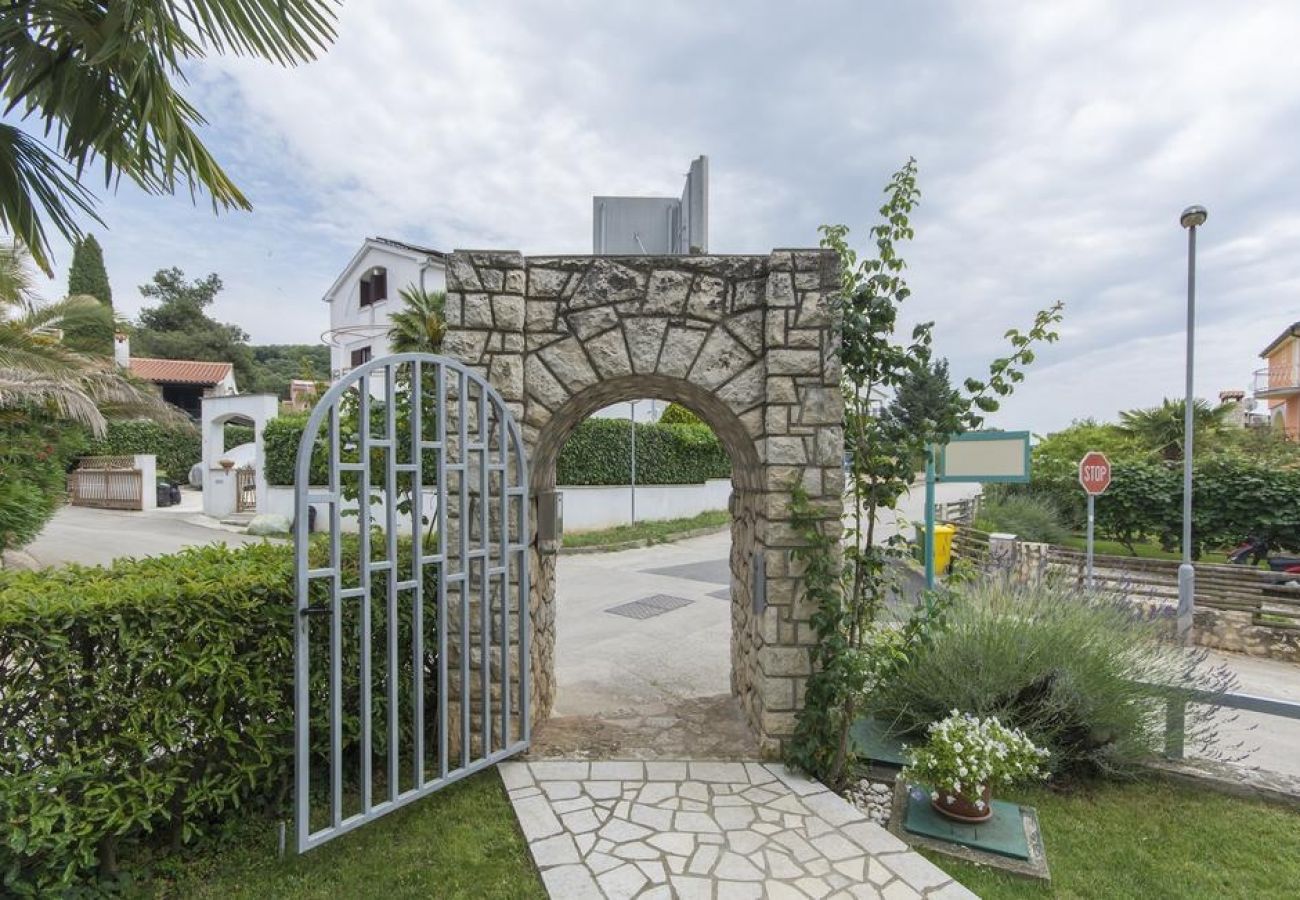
x=100, y=81
x=419, y=326
x=1160, y=428
x=37, y=370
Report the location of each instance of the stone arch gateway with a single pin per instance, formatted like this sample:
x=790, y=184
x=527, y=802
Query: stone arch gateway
x=750, y=343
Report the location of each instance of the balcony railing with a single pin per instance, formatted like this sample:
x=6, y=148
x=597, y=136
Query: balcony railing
x=1277, y=380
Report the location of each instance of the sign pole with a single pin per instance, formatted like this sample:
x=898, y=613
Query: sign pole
x=1091, y=500
x=1094, y=478
x=929, y=517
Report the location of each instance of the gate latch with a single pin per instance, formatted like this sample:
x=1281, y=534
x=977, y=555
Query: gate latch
x=320, y=609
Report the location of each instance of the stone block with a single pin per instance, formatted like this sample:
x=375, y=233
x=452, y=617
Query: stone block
x=466, y=346
x=741, y=391
x=476, y=311
x=608, y=282
x=721, y=359
x=609, y=354
x=681, y=346
x=545, y=282
x=777, y=691
x=515, y=281
x=461, y=275
x=644, y=338
x=794, y=362
x=506, y=373
x=543, y=386
x=787, y=661
x=708, y=299
x=780, y=289
x=785, y=451
x=508, y=311
x=781, y=390
x=587, y=323
x=569, y=364
x=666, y=293
x=748, y=329
x=540, y=315
x=819, y=405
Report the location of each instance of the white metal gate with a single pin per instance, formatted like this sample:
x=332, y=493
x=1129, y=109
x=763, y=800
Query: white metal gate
x=411, y=635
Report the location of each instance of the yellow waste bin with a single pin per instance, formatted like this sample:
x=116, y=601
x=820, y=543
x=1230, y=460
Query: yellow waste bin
x=943, y=535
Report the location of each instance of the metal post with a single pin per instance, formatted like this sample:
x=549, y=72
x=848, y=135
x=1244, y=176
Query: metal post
x=1191, y=218
x=929, y=516
x=1091, y=499
x=632, y=403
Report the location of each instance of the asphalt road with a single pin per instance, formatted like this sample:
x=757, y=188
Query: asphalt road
x=91, y=537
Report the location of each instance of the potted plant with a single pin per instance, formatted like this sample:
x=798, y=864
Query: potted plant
x=964, y=756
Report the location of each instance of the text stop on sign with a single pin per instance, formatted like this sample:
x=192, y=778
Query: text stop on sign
x=1094, y=472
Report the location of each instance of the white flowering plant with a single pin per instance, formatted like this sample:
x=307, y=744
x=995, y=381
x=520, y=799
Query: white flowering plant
x=964, y=754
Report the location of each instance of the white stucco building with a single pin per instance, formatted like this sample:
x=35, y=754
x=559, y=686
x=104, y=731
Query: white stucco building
x=366, y=293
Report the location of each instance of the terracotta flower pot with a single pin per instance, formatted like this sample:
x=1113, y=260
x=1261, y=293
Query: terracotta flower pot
x=962, y=808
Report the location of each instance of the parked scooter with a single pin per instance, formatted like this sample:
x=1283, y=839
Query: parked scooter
x=1254, y=550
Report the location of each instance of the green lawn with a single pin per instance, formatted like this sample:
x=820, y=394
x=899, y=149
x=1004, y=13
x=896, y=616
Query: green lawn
x=1152, y=839
x=651, y=532
x=461, y=842
x=1144, y=550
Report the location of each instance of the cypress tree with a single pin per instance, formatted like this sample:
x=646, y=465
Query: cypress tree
x=88, y=275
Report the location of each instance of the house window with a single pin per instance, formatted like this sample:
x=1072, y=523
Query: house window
x=360, y=356
x=374, y=286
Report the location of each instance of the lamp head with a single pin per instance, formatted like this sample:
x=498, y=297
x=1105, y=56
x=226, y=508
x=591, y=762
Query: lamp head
x=1193, y=216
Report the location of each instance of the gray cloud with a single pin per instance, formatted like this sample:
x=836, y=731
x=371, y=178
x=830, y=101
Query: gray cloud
x=1057, y=144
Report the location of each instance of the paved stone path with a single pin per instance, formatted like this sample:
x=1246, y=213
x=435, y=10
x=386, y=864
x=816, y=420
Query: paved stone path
x=713, y=830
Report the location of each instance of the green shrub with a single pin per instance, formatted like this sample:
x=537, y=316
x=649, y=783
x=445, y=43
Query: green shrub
x=599, y=452
x=1059, y=664
x=155, y=696
x=280, y=439
x=1029, y=517
x=676, y=414
x=177, y=447
x=234, y=435
x=34, y=456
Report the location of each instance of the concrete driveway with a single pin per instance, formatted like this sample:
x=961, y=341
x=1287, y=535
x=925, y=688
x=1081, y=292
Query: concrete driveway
x=99, y=536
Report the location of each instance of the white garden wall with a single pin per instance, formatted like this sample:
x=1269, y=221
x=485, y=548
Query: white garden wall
x=589, y=507
x=585, y=507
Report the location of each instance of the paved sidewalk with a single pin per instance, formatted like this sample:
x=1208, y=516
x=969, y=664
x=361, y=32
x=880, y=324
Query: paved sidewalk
x=715, y=830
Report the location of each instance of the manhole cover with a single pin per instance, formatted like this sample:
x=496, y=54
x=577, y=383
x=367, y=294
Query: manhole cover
x=649, y=607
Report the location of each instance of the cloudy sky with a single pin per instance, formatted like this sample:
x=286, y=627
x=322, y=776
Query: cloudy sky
x=1057, y=144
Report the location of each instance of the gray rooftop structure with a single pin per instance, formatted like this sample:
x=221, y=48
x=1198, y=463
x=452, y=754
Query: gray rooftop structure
x=640, y=226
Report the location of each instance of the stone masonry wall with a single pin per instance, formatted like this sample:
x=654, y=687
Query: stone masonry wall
x=747, y=342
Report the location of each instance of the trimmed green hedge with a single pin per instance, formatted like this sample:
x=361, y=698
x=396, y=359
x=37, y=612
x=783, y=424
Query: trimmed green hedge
x=145, y=701
x=599, y=452
x=177, y=447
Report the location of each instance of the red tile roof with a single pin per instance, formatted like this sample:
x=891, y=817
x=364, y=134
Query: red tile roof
x=179, y=371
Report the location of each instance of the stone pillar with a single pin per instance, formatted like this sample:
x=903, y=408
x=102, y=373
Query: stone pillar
x=803, y=442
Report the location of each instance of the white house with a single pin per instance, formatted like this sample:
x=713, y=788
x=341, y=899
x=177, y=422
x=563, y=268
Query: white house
x=365, y=295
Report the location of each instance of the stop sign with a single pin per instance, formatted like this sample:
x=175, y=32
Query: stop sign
x=1094, y=472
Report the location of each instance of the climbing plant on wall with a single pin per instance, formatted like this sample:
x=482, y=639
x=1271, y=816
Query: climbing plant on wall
x=853, y=651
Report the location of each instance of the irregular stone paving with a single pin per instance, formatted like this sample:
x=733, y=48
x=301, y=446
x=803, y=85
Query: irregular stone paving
x=708, y=830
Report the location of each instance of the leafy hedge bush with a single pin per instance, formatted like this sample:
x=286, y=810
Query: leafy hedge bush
x=34, y=456
x=599, y=452
x=280, y=440
x=1058, y=663
x=178, y=447
x=234, y=435
x=676, y=414
x=154, y=696
x=1233, y=497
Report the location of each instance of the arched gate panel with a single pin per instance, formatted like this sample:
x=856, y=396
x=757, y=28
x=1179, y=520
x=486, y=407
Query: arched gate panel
x=411, y=630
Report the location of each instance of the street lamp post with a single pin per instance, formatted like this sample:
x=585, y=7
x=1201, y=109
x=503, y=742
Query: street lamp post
x=1191, y=219
x=632, y=404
